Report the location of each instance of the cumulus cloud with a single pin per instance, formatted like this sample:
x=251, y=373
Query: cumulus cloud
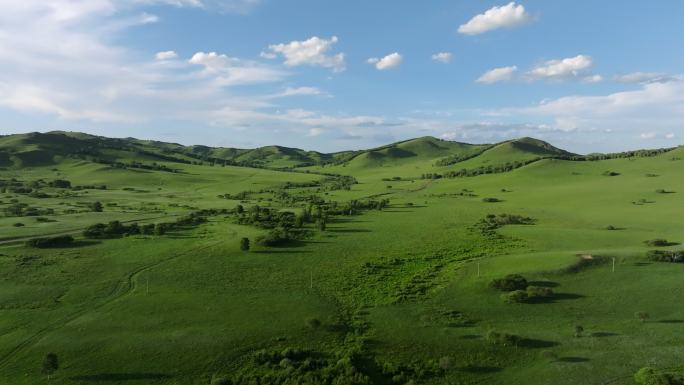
x=166, y=55
x=561, y=68
x=390, y=61
x=505, y=16
x=443, y=57
x=313, y=52
x=498, y=75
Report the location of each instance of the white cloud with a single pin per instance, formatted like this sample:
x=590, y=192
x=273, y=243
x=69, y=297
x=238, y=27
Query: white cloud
x=505, y=16
x=444, y=57
x=166, y=55
x=561, y=68
x=644, y=77
x=313, y=52
x=229, y=71
x=593, y=79
x=298, y=91
x=390, y=61
x=659, y=106
x=498, y=75
x=315, y=131
x=670, y=135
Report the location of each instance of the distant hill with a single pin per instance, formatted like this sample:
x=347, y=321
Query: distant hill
x=419, y=155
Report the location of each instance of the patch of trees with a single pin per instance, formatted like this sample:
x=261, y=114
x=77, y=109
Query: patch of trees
x=24, y=210
x=490, y=169
x=299, y=366
x=666, y=256
x=116, y=229
x=493, y=222
x=49, y=242
x=452, y=159
x=60, y=183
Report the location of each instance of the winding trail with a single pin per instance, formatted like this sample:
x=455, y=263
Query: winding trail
x=124, y=287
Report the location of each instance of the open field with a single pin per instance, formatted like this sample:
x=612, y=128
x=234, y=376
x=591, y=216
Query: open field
x=388, y=292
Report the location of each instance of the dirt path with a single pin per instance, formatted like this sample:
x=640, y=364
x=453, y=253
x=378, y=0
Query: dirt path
x=124, y=287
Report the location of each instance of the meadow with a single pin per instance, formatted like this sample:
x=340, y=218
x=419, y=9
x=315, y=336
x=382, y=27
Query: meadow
x=366, y=267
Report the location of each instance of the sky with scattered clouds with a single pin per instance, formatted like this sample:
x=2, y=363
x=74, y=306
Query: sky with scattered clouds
x=332, y=75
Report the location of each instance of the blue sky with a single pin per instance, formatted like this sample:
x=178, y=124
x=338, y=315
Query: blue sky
x=332, y=75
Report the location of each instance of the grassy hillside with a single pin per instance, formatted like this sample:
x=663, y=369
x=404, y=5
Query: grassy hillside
x=381, y=281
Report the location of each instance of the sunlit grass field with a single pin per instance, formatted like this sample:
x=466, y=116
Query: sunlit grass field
x=188, y=305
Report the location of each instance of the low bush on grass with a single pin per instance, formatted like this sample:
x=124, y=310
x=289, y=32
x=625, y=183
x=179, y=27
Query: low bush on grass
x=491, y=200
x=515, y=296
x=610, y=173
x=48, y=242
x=503, y=339
x=666, y=256
x=650, y=376
x=510, y=282
x=658, y=242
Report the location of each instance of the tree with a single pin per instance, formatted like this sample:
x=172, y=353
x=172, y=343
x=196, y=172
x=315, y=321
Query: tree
x=96, y=206
x=239, y=209
x=50, y=364
x=321, y=224
x=313, y=323
x=244, y=244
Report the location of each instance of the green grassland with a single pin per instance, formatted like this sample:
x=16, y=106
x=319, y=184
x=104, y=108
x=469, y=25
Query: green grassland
x=397, y=295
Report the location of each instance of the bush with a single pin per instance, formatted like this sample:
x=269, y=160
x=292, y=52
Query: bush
x=539, y=292
x=666, y=256
x=515, y=296
x=611, y=173
x=503, y=339
x=658, y=242
x=491, y=200
x=44, y=243
x=18, y=224
x=313, y=323
x=244, y=244
x=510, y=282
x=649, y=376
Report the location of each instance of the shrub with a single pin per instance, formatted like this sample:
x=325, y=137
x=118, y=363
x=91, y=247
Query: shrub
x=244, y=244
x=579, y=329
x=503, y=339
x=491, y=200
x=611, y=173
x=44, y=243
x=665, y=256
x=510, y=282
x=515, y=296
x=649, y=376
x=96, y=207
x=18, y=224
x=313, y=323
x=658, y=242
x=538, y=292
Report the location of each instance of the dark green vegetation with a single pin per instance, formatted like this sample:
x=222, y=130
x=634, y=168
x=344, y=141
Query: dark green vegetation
x=137, y=262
